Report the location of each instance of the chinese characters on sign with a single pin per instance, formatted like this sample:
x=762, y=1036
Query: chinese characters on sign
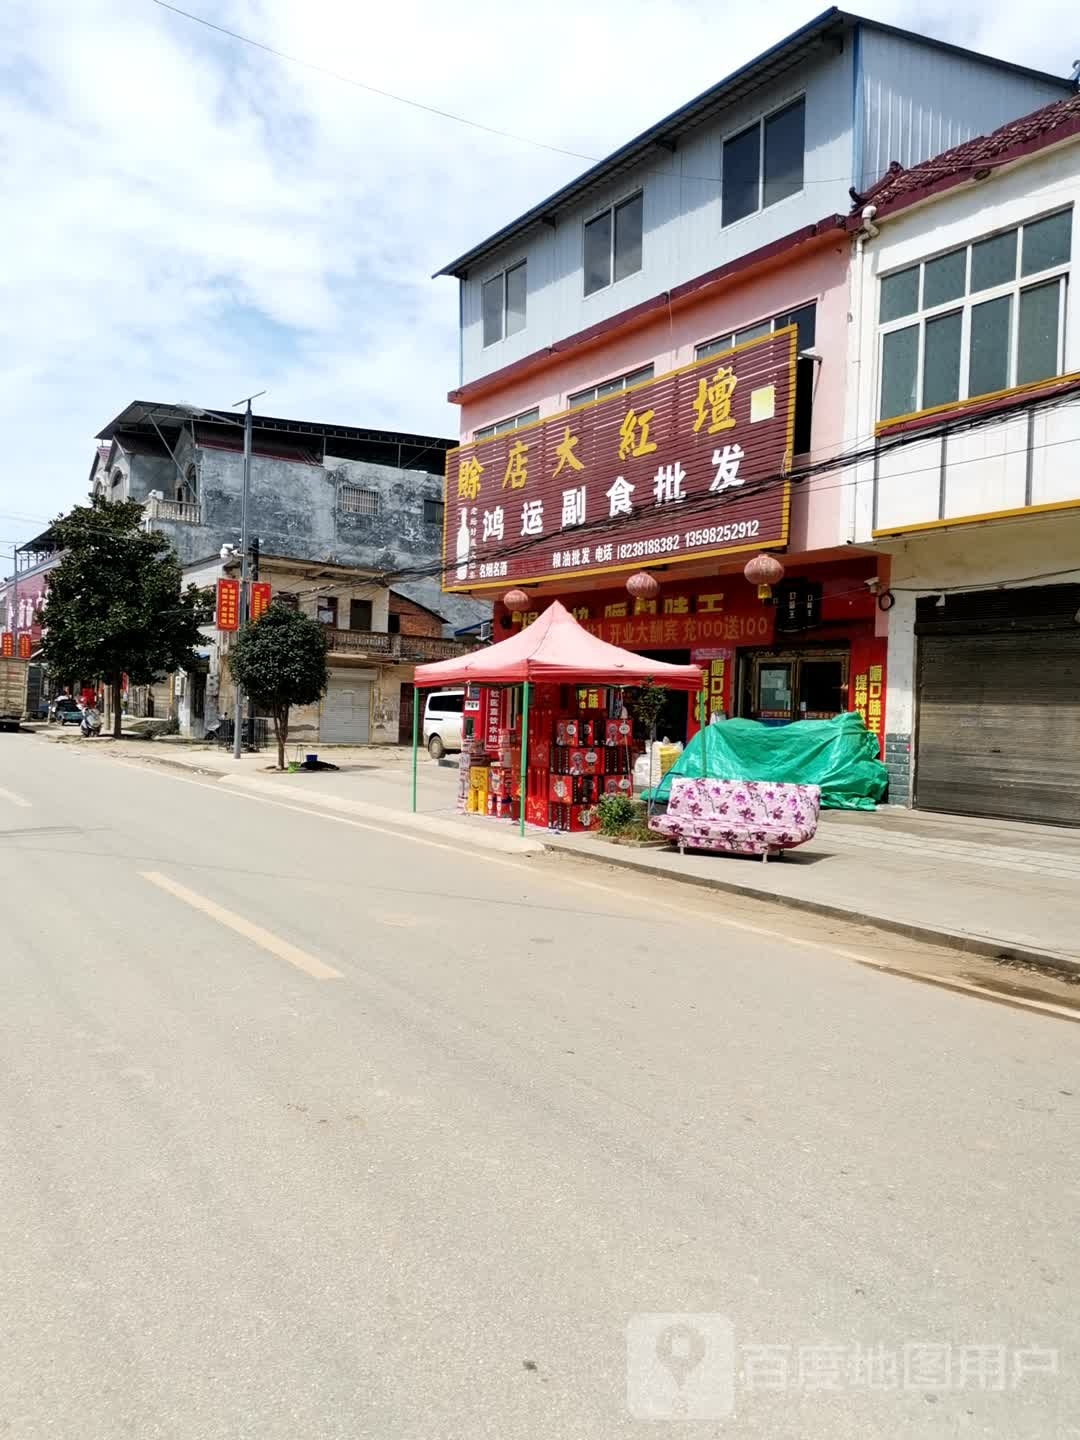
x=26, y=647
x=7, y=645
x=867, y=697
x=260, y=599
x=692, y=463
x=228, y=604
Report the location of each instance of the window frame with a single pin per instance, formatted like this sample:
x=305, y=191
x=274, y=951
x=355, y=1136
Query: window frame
x=512, y=422
x=611, y=212
x=614, y=385
x=437, y=512
x=361, y=512
x=965, y=303
x=504, y=314
x=799, y=98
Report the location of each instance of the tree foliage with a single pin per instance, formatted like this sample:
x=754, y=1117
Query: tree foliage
x=116, y=602
x=280, y=661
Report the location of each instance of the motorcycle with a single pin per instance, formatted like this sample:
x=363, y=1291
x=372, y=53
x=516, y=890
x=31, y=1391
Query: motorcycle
x=90, y=724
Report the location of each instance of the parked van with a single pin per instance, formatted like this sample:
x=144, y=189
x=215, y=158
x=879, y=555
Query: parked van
x=443, y=715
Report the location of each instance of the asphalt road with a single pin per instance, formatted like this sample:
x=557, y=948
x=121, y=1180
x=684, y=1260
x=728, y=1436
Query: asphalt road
x=310, y=1129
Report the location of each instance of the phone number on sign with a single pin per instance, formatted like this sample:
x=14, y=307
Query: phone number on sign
x=668, y=544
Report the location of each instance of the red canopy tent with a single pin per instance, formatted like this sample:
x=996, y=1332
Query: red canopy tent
x=554, y=648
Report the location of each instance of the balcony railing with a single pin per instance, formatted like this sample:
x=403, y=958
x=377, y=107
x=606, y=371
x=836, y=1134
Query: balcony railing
x=183, y=511
x=379, y=643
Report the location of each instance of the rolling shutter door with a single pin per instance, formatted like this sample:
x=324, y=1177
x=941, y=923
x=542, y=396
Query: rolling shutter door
x=999, y=709
x=346, y=711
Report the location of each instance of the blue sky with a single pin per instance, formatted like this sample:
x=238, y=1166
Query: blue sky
x=191, y=219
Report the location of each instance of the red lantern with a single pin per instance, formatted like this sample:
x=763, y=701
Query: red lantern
x=764, y=571
x=516, y=600
x=643, y=586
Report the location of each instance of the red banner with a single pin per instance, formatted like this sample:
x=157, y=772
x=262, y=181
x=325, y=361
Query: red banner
x=26, y=647
x=7, y=645
x=228, y=604
x=642, y=477
x=260, y=599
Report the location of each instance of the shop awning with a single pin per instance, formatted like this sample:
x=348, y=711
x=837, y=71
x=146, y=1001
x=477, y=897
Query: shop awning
x=557, y=649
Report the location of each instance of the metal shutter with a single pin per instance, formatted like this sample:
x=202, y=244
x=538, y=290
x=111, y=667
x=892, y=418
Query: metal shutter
x=998, y=723
x=346, y=711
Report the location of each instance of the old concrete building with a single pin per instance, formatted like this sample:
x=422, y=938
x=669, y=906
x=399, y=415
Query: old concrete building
x=349, y=523
x=332, y=494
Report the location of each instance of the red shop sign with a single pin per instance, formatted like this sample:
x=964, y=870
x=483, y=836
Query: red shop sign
x=686, y=465
x=228, y=604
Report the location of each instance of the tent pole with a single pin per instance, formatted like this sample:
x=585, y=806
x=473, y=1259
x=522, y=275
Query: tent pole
x=524, y=752
x=415, y=733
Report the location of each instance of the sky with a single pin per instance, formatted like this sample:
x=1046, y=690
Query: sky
x=188, y=218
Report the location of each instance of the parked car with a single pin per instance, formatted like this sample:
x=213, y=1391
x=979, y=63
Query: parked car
x=443, y=716
x=65, y=711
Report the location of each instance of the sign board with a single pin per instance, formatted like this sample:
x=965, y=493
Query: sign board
x=7, y=645
x=26, y=647
x=260, y=599
x=228, y=604
x=691, y=464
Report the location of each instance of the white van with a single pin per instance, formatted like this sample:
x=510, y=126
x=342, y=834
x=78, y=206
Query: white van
x=443, y=715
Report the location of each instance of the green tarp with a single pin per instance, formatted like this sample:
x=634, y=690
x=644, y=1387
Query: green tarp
x=840, y=755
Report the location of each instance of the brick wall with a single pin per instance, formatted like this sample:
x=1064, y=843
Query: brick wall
x=414, y=619
x=898, y=763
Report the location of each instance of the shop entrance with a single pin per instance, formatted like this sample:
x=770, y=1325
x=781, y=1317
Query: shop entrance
x=675, y=716
x=779, y=686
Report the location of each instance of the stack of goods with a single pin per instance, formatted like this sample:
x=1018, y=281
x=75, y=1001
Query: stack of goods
x=575, y=758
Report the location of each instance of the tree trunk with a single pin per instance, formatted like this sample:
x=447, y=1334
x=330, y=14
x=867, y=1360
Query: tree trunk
x=117, y=688
x=281, y=731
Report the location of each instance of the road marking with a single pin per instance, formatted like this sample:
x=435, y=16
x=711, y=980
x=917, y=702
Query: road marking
x=255, y=933
x=15, y=799
x=676, y=906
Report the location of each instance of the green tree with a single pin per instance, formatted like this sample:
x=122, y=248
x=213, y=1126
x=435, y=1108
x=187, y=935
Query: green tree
x=279, y=662
x=116, y=601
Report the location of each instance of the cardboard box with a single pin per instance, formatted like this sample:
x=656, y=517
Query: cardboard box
x=617, y=732
x=618, y=785
x=566, y=732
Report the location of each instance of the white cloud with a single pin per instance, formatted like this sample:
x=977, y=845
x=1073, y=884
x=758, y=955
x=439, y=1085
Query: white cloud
x=188, y=218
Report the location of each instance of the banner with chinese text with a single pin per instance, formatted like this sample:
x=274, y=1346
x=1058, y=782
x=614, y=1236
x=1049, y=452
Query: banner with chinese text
x=689, y=464
x=228, y=604
x=260, y=599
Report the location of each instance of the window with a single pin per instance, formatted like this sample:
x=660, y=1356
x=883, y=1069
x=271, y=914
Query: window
x=969, y=323
x=515, y=422
x=187, y=490
x=354, y=500
x=393, y=624
x=433, y=512
x=613, y=244
x=359, y=614
x=763, y=164
x=326, y=610
x=503, y=303
x=287, y=600
x=805, y=321
x=447, y=704
x=609, y=387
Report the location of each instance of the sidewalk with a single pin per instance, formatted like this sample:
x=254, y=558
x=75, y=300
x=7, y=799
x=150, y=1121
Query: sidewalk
x=995, y=887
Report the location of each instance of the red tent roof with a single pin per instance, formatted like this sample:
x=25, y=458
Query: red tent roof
x=556, y=648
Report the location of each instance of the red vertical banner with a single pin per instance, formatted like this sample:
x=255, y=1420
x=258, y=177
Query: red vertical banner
x=26, y=647
x=228, y=604
x=260, y=599
x=866, y=685
x=494, y=721
x=7, y=645
x=716, y=672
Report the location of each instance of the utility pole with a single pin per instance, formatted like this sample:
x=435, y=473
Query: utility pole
x=238, y=708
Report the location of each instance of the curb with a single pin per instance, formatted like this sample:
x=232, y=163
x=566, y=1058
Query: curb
x=1045, y=960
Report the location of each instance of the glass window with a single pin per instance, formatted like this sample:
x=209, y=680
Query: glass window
x=943, y=279
x=993, y=261
x=628, y=237
x=515, y=299
x=899, y=372
x=988, y=366
x=433, y=512
x=1046, y=243
x=447, y=704
x=714, y=347
x=741, y=175
x=493, y=310
x=609, y=387
x=598, y=253
x=941, y=360
x=899, y=294
x=753, y=332
x=514, y=422
x=805, y=318
x=1037, y=341
x=784, y=145
x=359, y=614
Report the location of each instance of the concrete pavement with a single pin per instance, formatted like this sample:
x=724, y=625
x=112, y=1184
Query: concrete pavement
x=996, y=888
x=425, y=1196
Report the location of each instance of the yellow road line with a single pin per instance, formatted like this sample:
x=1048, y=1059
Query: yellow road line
x=255, y=933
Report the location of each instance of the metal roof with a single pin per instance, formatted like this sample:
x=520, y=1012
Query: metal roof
x=831, y=24
x=149, y=416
